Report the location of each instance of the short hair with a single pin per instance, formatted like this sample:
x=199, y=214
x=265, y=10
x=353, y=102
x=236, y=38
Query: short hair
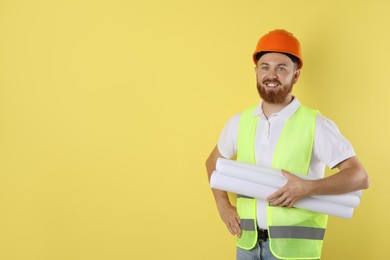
x=292, y=57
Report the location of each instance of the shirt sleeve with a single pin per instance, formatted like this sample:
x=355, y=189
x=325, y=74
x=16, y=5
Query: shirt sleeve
x=330, y=146
x=227, y=143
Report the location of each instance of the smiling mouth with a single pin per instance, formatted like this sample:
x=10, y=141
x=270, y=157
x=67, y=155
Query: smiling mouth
x=271, y=84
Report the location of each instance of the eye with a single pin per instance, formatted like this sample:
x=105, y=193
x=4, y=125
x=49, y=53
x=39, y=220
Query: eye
x=264, y=68
x=280, y=68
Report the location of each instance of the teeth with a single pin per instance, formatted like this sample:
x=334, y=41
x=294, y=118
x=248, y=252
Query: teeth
x=272, y=85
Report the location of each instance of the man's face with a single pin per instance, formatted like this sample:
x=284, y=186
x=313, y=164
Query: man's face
x=276, y=73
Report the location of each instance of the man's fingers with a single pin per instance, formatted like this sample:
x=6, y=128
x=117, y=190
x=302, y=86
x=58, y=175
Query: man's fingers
x=279, y=200
x=238, y=221
x=291, y=204
x=230, y=229
x=288, y=195
x=231, y=219
x=283, y=201
x=275, y=195
x=234, y=228
x=286, y=203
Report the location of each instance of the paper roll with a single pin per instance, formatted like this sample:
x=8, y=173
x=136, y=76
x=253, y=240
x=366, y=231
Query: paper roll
x=274, y=178
x=272, y=171
x=255, y=190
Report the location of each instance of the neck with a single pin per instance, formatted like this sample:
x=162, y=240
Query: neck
x=271, y=108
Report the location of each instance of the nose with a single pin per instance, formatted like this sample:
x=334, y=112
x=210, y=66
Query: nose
x=272, y=74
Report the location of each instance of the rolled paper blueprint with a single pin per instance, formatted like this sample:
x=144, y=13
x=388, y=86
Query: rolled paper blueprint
x=274, y=178
x=267, y=170
x=258, y=191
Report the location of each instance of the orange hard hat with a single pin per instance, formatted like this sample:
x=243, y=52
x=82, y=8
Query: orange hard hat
x=279, y=41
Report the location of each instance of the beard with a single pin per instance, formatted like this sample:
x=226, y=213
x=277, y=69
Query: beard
x=276, y=96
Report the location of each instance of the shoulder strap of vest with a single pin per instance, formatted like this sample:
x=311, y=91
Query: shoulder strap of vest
x=296, y=142
x=246, y=136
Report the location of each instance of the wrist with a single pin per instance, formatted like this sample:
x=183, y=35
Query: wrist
x=312, y=187
x=223, y=203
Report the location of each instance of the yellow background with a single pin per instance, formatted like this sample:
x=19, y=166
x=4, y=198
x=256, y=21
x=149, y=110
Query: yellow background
x=108, y=110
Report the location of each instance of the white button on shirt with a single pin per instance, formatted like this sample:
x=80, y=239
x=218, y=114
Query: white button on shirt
x=329, y=149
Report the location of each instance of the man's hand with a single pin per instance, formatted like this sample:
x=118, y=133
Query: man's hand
x=294, y=190
x=231, y=219
x=227, y=212
x=351, y=177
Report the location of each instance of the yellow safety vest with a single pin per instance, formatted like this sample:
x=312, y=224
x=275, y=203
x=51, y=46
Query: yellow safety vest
x=293, y=233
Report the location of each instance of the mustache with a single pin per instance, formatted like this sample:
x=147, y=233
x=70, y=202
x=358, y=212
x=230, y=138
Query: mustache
x=271, y=81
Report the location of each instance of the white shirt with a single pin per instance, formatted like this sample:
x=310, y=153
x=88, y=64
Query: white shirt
x=329, y=149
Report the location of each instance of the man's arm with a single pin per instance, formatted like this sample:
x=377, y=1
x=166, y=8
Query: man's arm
x=227, y=212
x=351, y=177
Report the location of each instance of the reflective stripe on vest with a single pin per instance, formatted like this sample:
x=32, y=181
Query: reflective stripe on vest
x=297, y=232
x=247, y=224
x=294, y=233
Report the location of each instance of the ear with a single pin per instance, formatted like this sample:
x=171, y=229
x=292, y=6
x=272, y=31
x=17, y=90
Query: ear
x=296, y=75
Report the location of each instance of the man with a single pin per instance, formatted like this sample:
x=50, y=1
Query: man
x=283, y=134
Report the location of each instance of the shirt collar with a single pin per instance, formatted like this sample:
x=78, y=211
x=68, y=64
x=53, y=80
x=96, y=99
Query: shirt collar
x=286, y=112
